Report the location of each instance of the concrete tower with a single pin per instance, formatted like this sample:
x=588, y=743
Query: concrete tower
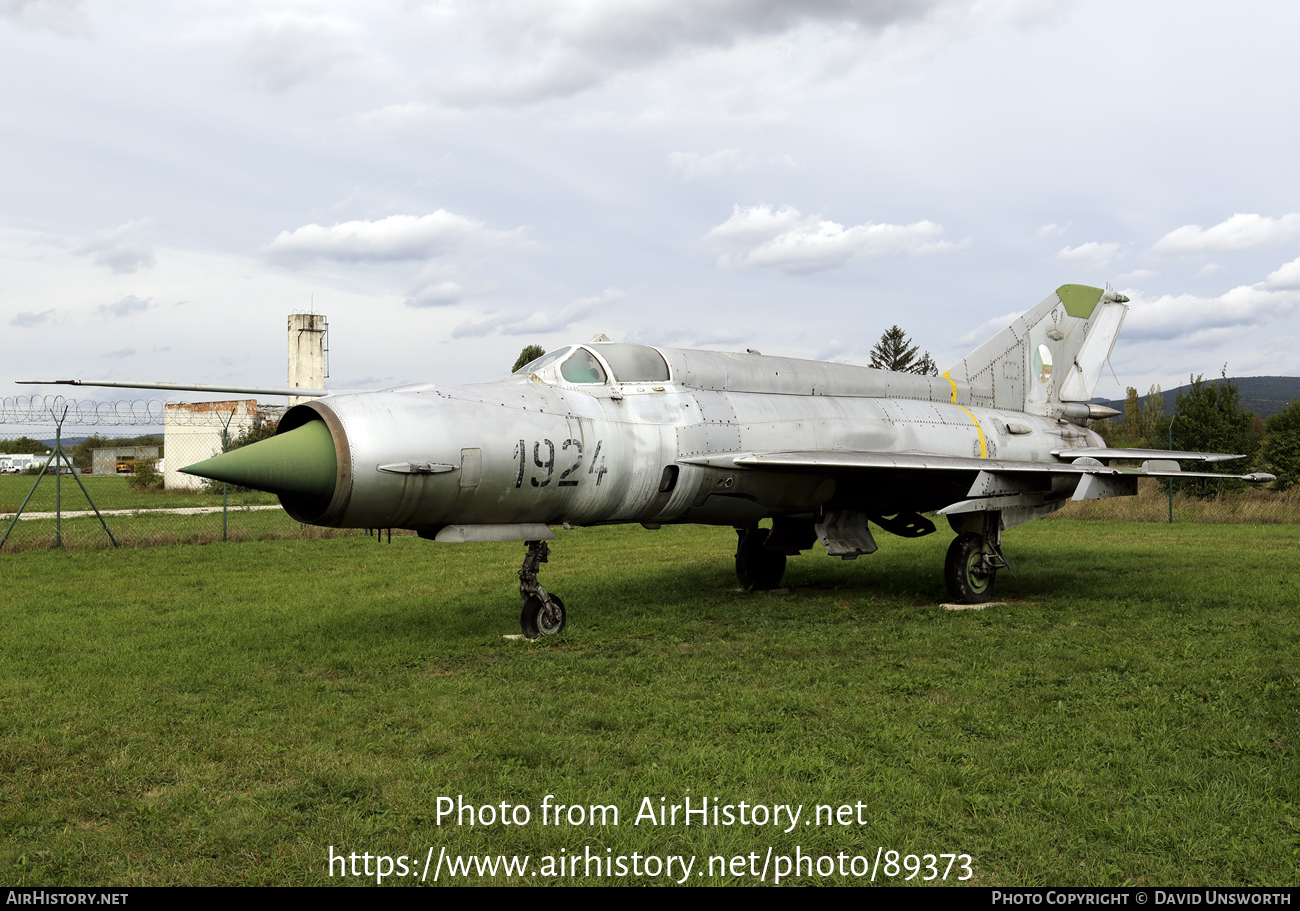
x=308, y=345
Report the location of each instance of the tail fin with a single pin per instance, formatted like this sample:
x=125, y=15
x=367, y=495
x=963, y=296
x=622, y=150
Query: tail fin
x=1050, y=355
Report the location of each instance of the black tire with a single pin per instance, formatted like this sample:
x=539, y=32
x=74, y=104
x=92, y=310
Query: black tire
x=536, y=621
x=963, y=571
x=758, y=568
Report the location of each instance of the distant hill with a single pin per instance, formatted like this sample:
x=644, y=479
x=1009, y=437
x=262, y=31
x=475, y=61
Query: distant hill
x=1264, y=395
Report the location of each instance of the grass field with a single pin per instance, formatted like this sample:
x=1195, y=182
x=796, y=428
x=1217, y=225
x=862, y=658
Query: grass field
x=152, y=522
x=225, y=714
x=111, y=492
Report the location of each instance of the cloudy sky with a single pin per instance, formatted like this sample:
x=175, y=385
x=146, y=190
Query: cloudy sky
x=451, y=180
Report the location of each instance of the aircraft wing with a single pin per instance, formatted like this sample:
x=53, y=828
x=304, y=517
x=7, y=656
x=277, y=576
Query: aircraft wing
x=1085, y=463
x=183, y=387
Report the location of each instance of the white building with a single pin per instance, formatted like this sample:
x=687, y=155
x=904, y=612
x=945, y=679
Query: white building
x=192, y=433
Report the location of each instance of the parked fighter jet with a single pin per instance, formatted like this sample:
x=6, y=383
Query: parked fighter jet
x=606, y=433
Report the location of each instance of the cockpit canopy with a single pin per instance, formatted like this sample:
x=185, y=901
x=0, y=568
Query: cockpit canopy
x=633, y=363
x=587, y=363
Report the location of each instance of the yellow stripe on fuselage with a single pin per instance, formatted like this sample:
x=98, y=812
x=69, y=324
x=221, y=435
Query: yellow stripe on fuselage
x=952, y=383
x=984, y=447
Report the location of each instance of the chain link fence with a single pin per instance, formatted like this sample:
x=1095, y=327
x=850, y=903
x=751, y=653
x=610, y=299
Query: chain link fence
x=118, y=480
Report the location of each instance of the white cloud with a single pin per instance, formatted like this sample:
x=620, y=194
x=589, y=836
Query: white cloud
x=1091, y=255
x=1186, y=315
x=1137, y=275
x=753, y=225
x=689, y=165
x=1286, y=276
x=989, y=328
x=1240, y=232
x=542, y=322
x=1207, y=270
x=124, y=307
x=521, y=52
x=434, y=292
x=27, y=319
x=1054, y=230
x=280, y=50
x=786, y=241
x=64, y=17
x=120, y=352
x=398, y=237
x=462, y=54
x=124, y=249
x=278, y=46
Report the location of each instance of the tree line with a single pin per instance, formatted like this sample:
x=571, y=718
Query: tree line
x=1209, y=417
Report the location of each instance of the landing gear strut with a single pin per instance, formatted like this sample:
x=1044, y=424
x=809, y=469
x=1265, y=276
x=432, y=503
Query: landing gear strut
x=758, y=567
x=543, y=613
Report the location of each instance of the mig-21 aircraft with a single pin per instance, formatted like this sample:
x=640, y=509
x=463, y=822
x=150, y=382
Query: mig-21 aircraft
x=605, y=432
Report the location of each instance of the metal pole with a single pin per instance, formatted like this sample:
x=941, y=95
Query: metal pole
x=225, y=447
x=14, y=521
x=98, y=515
x=58, y=483
x=1171, y=480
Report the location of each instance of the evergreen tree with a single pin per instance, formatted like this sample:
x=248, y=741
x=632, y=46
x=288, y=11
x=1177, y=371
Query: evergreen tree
x=527, y=356
x=896, y=352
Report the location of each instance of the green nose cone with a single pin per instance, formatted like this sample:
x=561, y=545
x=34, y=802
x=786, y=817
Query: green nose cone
x=299, y=461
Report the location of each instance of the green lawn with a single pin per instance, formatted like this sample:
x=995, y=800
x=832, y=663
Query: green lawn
x=227, y=713
x=110, y=492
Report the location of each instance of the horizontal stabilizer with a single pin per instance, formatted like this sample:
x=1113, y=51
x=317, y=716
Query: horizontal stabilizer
x=1145, y=454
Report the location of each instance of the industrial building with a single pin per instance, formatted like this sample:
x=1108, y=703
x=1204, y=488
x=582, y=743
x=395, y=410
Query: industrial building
x=120, y=459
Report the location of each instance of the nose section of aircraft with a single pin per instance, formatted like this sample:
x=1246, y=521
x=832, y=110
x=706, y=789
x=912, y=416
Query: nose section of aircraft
x=297, y=463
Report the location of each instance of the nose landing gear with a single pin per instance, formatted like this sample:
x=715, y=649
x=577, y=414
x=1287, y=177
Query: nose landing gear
x=543, y=612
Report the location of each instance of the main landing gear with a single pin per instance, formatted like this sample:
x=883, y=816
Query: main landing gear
x=543, y=613
x=974, y=560
x=758, y=567
x=761, y=552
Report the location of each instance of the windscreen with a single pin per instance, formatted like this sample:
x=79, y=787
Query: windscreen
x=582, y=368
x=534, y=366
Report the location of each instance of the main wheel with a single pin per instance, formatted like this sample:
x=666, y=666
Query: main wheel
x=758, y=568
x=537, y=619
x=969, y=582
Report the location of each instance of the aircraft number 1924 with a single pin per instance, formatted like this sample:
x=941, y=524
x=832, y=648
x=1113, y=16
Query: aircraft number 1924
x=569, y=450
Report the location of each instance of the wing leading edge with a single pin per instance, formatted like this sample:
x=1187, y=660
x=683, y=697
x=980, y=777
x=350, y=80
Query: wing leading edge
x=1157, y=463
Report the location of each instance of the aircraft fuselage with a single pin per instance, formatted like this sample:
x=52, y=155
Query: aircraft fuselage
x=524, y=451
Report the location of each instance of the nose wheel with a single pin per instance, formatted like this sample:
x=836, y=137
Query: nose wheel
x=542, y=618
x=543, y=612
